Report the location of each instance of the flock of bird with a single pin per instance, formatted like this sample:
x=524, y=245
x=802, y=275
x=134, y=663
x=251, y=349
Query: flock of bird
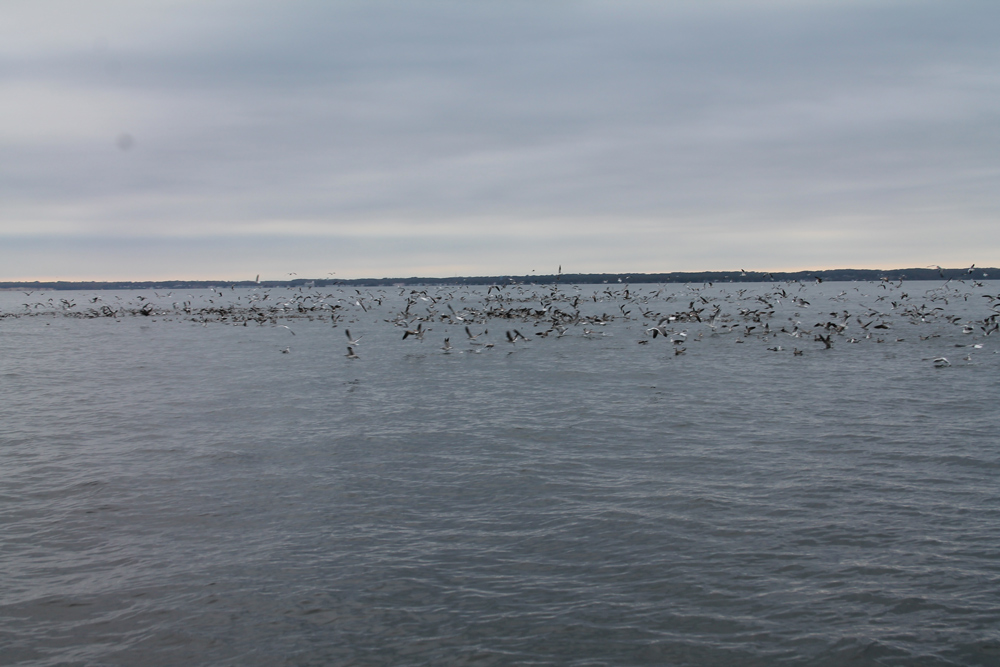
x=778, y=315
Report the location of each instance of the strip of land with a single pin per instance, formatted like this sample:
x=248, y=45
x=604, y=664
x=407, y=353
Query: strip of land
x=738, y=276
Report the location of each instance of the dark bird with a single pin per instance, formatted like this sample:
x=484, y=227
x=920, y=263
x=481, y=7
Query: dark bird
x=417, y=333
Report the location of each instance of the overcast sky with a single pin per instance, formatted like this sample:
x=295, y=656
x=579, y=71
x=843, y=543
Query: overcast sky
x=215, y=139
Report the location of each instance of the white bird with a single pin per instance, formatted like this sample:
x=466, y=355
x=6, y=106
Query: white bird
x=473, y=337
x=352, y=341
x=350, y=353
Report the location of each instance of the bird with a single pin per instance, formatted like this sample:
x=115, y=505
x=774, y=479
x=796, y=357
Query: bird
x=447, y=345
x=417, y=333
x=351, y=340
x=285, y=326
x=512, y=338
x=350, y=353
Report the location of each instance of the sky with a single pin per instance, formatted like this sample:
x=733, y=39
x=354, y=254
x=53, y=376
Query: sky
x=217, y=139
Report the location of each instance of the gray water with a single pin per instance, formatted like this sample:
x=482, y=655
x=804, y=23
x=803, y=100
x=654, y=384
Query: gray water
x=176, y=488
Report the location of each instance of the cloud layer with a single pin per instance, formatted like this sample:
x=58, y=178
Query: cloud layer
x=223, y=139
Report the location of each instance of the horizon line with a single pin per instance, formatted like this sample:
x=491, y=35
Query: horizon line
x=733, y=275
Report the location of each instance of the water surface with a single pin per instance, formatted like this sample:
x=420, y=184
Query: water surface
x=175, y=488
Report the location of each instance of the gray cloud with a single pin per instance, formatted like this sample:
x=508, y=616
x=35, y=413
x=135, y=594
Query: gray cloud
x=462, y=136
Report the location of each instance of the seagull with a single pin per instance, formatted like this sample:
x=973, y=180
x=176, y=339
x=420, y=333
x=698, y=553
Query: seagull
x=447, y=345
x=417, y=333
x=352, y=341
x=350, y=353
x=284, y=326
x=512, y=338
x=286, y=350
x=941, y=362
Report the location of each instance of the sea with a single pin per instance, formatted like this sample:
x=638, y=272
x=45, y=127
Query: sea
x=777, y=473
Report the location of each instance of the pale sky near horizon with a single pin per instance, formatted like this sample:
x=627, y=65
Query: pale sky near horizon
x=222, y=139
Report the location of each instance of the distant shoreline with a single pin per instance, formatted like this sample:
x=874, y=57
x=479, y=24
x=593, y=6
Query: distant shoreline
x=832, y=275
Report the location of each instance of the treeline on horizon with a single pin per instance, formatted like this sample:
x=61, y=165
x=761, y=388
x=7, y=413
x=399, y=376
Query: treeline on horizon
x=833, y=275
